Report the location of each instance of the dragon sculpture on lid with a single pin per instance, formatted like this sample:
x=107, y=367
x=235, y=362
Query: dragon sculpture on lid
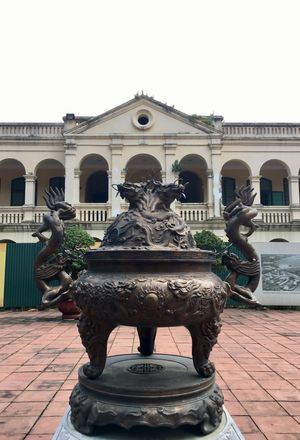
x=149, y=221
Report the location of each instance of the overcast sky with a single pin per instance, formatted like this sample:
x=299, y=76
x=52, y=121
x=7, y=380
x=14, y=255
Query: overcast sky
x=237, y=58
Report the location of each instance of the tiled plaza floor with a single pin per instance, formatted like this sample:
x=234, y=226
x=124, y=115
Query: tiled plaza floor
x=257, y=358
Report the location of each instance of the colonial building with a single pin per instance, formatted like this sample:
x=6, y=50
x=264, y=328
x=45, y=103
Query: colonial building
x=143, y=139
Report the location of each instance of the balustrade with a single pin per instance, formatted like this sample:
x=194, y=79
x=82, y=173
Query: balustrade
x=38, y=213
x=35, y=130
x=192, y=212
x=87, y=212
x=276, y=214
x=261, y=130
x=11, y=215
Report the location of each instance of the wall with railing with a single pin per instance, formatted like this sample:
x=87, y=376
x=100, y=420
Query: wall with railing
x=31, y=130
x=86, y=212
x=262, y=130
x=276, y=215
x=192, y=212
x=101, y=212
x=229, y=129
x=11, y=215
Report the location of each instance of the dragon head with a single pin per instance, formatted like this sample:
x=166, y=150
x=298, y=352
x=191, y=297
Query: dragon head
x=55, y=200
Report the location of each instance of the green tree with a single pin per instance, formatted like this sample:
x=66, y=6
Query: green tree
x=176, y=167
x=207, y=240
x=75, y=244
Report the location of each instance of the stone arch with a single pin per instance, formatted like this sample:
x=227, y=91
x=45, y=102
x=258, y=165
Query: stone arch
x=235, y=173
x=93, y=179
x=12, y=188
x=275, y=164
x=193, y=169
x=12, y=163
x=274, y=184
x=143, y=167
x=49, y=173
x=279, y=240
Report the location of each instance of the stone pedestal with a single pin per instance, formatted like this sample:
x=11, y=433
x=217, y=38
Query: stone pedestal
x=226, y=431
x=157, y=391
x=147, y=397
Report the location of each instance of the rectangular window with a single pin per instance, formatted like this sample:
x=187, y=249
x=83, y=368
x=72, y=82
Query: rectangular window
x=228, y=187
x=277, y=198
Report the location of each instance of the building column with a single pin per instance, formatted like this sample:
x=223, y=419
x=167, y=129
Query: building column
x=168, y=175
x=294, y=190
x=216, y=167
x=77, y=174
x=110, y=191
x=116, y=149
x=163, y=177
x=294, y=197
x=170, y=154
x=70, y=156
x=28, y=207
x=255, y=184
x=210, y=195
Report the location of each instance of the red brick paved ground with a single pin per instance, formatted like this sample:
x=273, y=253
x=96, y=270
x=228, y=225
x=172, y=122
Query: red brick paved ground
x=257, y=358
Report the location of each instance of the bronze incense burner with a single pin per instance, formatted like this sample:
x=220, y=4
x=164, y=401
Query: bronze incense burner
x=149, y=274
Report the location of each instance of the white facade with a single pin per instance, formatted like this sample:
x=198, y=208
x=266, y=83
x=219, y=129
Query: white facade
x=140, y=139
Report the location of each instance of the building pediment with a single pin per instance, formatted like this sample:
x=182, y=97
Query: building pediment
x=144, y=115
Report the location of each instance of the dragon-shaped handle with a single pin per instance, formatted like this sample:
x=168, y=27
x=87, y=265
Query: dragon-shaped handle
x=49, y=264
x=240, y=213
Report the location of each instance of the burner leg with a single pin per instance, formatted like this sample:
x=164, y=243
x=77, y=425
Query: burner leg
x=94, y=336
x=147, y=339
x=204, y=337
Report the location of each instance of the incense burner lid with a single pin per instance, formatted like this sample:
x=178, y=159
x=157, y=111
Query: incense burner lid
x=149, y=222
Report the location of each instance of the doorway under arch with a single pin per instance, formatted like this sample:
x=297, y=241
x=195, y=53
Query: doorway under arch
x=235, y=174
x=274, y=184
x=12, y=191
x=194, y=172
x=143, y=167
x=96, y=188
x=49, y=173
x=93, y=179
x=194, y=190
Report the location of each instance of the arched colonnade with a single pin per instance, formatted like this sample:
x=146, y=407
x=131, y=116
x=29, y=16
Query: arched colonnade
x=274, y=185
x=93, y=177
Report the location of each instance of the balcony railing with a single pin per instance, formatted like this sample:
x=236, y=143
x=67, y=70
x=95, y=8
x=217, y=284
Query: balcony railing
x=38, y=213
x=276, y=214
x=261, y=130
x=192, y=212
x=31, y=130
x=87, y=212
x=101, y=212
x=11, y=215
